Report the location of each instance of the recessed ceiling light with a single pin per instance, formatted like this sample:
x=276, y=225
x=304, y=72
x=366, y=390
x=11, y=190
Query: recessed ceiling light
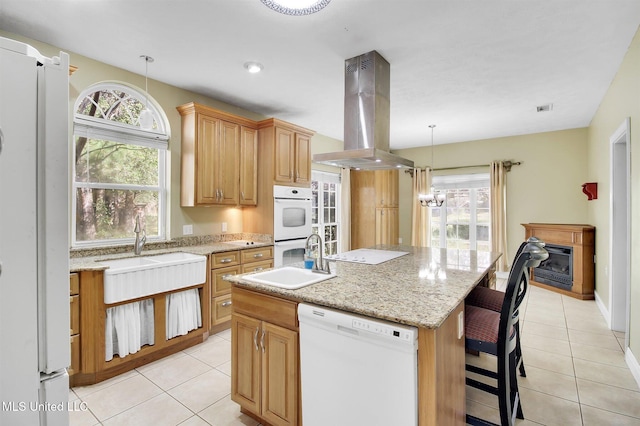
x=296, y=7
x=253, y=67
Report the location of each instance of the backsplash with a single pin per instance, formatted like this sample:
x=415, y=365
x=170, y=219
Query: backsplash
x=196, y=240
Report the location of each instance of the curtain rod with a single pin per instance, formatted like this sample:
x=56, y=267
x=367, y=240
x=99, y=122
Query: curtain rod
x=507, y=166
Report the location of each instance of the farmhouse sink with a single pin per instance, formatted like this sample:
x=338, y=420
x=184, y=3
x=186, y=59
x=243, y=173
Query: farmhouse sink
x=134, y=277
x=289, y=278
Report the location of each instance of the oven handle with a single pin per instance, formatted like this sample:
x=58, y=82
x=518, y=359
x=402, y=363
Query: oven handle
x=290, y=243
x=292, y=200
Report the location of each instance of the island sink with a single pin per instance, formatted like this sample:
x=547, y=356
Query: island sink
x=289, y=277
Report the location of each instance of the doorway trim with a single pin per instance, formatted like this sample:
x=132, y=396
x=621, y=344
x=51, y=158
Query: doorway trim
x=620, y=226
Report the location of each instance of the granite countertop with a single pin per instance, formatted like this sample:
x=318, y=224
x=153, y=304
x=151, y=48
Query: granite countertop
x=419, y=289
x=201, y=246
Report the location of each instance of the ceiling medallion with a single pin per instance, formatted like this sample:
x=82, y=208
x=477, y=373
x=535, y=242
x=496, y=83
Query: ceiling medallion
x=296, y=7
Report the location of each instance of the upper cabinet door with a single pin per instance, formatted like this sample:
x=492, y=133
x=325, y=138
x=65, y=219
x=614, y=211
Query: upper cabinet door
x=228, y=163
x=248, y=166
x=210, y=157
x=206, y=151
x=302, y=167
x=284, y=155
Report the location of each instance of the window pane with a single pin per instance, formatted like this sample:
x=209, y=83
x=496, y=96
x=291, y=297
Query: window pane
x=482, y=233
x=111, y=162
x=107, y=214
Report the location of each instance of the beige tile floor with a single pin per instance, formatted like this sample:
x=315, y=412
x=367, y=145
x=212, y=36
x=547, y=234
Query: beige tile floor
x=576, y=375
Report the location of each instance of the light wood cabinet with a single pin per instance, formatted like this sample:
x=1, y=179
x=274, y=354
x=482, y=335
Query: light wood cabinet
x=74, y=323
x=265, y=357
x=291, y=152
x=232, y=263
x=387, y=225
x=374, y=202
x=386, y=183
x=284, y=150
x=218, y=158
x=248, y=166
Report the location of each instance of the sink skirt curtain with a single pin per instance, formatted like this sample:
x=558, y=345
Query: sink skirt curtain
x=183, y=313
x=128, y=328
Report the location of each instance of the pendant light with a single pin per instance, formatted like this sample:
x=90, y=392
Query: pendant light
x=146, y=116
x=433, y=198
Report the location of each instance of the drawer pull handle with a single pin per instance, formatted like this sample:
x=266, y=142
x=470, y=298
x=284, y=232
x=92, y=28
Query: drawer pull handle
x=226, y=260
x=227, y=303
x=225, y=276
x=262, y=341
x=258, y=255
x=259, y=268
x=255, y=338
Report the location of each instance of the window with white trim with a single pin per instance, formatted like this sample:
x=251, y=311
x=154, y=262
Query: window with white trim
x=464, y=220
x=118, y=167
x=325, y=209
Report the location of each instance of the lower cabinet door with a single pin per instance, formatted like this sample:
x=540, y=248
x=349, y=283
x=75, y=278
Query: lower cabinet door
x=245, y=362
x=279, y=375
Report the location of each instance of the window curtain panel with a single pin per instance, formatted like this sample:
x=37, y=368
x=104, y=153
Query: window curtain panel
x=345, y=211
x=498, y=178
x=420, y=227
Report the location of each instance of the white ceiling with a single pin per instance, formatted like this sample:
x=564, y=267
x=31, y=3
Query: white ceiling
x=476, y=69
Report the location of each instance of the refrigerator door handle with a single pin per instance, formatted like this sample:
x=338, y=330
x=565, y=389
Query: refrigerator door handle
x=1, y=140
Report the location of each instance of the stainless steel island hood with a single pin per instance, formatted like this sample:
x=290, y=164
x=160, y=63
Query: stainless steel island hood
x=366, y=117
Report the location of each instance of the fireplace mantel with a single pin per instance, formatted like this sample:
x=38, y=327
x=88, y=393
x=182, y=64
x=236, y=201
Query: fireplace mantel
x=581, y=238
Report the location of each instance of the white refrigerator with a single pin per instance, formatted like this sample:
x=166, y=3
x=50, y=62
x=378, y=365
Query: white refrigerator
x=34, y=240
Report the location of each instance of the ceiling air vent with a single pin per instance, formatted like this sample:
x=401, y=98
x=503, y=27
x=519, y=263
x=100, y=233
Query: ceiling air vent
x=543, y=108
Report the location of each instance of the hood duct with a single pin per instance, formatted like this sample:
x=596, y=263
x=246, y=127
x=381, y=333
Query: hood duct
x=366, y=117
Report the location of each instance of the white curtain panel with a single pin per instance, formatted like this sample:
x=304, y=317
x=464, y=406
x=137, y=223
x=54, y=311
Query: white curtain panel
x=420, y=216
x=498, y=178
x=345, y=210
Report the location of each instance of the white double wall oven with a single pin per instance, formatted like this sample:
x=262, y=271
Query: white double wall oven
x=291, y=223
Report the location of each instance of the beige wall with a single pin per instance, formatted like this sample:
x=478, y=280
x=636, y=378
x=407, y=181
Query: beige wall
x=622, y=100
x=546, y=187
x=205, y=220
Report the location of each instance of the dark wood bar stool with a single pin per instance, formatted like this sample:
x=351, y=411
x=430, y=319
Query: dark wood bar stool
x=494, y=333
x=488, y=298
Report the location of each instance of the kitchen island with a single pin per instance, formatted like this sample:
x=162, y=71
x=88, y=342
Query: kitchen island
x=425, y=288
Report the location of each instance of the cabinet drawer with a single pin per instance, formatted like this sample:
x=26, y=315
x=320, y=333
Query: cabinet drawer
x=219, y=286
x=74, y=314
x=74, y=284
x=227, y=258
x=74, y=342
x=257, y=266
x=264, y=307
x=220, y=309
x=257, y=254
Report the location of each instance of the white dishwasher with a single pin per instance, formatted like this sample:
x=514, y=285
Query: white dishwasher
x=356, y=370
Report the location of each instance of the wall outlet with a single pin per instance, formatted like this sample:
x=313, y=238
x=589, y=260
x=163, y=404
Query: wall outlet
x=399, y=240
x=224, y=226
x=187, y=229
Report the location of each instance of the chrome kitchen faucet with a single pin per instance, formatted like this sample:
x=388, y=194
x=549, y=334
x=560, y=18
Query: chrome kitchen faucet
x=139, y=243
x=319, y=265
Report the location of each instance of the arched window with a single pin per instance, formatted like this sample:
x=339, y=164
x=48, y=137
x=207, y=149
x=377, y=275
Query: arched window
x=119, y=168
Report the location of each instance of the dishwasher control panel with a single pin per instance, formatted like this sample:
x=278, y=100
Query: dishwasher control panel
x=382, y=329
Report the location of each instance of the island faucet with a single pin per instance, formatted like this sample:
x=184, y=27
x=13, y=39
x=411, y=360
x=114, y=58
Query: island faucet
x=139, y=243
x=320, y=265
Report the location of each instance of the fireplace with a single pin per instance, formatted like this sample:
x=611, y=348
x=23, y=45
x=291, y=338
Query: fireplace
x=570, y=268
x=557, y=270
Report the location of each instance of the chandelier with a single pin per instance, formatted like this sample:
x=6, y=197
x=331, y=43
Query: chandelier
x=433, y=198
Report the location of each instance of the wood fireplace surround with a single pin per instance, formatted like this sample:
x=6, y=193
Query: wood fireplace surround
x=581, y=238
